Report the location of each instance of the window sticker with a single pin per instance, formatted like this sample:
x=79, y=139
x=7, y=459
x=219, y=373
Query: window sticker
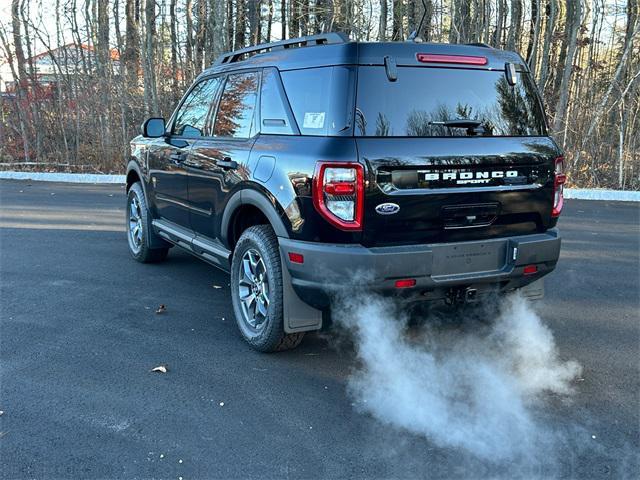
x=313, y=120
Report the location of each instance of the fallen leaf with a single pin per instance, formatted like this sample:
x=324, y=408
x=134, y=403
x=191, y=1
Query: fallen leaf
x=161, y=309
x=160, y=368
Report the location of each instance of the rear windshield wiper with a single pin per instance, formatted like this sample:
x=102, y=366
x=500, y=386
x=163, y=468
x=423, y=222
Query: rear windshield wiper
x=474, y=127
x=458, y=123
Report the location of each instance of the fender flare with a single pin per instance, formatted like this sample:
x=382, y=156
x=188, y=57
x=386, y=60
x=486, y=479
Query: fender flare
x=133, y=166
x=258, y=200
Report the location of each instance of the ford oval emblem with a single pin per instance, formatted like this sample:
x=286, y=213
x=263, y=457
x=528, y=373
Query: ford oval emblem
x=387, y=208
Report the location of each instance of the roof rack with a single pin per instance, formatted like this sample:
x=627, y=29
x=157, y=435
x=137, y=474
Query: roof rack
x=308, y=41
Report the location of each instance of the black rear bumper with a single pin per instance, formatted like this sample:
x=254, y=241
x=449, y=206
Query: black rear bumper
x=496, y=264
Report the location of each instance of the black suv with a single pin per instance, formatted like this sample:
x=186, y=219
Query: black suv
x=312, y=165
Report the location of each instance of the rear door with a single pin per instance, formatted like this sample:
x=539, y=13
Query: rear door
x=453, y=154
x=217, y=163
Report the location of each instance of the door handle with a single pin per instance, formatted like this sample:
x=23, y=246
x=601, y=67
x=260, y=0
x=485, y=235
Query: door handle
x=226, y=162
x=177, y=158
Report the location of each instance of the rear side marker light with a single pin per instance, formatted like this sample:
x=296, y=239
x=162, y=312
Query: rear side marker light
x=296, y=257
x=530, y=270
x=338, y=194
x=406, y=283
x=559, y=179
x=459, y=59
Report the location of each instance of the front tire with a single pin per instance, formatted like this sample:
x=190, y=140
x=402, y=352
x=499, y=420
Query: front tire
x=256, y=291
x=139, y=232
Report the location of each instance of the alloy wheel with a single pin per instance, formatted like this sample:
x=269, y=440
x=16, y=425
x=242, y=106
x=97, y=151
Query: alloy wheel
x=253, y=289
x=135, y=223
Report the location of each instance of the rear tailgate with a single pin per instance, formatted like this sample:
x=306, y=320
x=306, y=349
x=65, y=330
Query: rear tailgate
x=424, y=190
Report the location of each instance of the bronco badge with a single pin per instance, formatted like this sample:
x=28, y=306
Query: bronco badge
x=387, y=208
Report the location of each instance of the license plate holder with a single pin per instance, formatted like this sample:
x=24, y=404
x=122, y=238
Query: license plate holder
x=461, y=258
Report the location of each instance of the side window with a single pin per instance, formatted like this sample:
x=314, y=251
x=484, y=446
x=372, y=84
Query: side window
x=237, y=106
x=322, y=99
x=273, y=112
x=191, y=118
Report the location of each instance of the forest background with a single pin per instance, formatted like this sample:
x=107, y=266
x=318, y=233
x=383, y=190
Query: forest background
x=77, y=77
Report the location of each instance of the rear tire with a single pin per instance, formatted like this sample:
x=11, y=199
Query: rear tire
x=256, y=291
x=139, y=233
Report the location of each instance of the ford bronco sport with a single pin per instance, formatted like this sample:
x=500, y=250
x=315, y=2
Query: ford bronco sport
x=419, y=170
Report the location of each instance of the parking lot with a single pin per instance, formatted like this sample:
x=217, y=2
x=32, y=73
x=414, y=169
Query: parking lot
x=79, y=336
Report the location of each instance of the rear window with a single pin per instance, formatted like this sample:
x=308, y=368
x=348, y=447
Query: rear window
x=435, y=102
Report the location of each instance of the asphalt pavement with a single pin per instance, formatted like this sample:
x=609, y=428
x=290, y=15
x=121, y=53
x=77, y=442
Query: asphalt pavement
x=79, y=336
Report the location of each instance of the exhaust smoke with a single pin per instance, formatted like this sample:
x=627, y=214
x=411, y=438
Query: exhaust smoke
x=476, y=387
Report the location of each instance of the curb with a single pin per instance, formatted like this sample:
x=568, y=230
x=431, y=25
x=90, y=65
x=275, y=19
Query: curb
x=569, y=193
x=602, y=194
x=63, y=177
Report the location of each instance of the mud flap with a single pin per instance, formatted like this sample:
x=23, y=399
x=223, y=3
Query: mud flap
x=298, y=316
x=533, y=291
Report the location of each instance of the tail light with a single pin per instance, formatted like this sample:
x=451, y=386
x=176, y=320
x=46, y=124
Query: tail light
x=558, y=187
x=338, y=194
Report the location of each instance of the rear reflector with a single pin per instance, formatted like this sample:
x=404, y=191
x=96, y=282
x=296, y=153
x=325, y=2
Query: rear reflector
x=340, y=188
x=296, y=257
x=459, y=59
x=406, y=283
x=530, y=270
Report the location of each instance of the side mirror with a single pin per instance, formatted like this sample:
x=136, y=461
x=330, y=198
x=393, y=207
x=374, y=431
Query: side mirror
x=153, y=128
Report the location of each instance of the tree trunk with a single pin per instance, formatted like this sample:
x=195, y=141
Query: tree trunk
x=241, y=9
x=398, y=21
x=574, y=17
x=500, y=23
x=304, y=17
x=382, y=28
x=175, y=88
x=283, y=18
x=515, y=28
x=255, y=26
x=189, y=43
x=294, y=18
x=150, y=87
x=552, y=12
x=132, y=44
x=18, y=85
x=534, y=35
x=201, y=36
x=269, y=20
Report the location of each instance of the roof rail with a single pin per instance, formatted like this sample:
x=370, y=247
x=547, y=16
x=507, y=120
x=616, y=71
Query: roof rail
x=308, y=41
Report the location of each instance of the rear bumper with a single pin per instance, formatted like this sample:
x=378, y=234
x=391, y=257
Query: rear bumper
x=486, y=265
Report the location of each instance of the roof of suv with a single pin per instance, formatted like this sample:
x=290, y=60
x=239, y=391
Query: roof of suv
x=337, y=49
